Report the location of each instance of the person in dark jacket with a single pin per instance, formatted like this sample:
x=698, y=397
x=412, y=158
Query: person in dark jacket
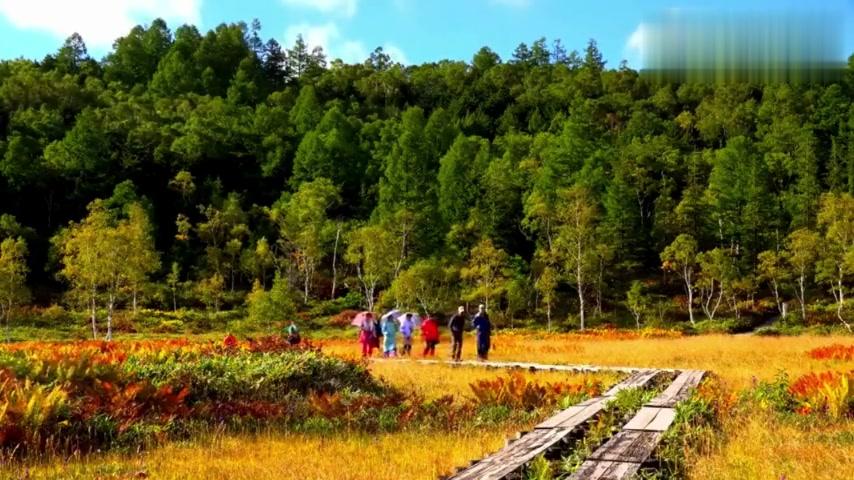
x=457, y=326
x=378, y=334
x=483, y=329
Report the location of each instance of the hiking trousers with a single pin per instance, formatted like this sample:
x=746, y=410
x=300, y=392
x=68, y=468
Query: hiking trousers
x=456, y=346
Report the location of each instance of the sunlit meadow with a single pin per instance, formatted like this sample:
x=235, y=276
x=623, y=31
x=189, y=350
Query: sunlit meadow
x=755, y=442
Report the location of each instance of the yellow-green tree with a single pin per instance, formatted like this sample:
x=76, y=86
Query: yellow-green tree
x=211, y=289
x=104, y=255
x=267, y=305
x=428, y=283
x=836, y=219
x=681, y=257
x=304, y=225
x=13, y=276
x=144, y=259
x=79, y=247
x=372, y=249
x=487, y=273
x=802, y=247
x=576, y=241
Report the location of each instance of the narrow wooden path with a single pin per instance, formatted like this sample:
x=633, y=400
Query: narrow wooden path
x=618, y=459
x=624, y=454
x=551, y=434
x=524, y=366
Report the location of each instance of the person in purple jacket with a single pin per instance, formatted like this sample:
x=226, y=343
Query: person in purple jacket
x=407, y=328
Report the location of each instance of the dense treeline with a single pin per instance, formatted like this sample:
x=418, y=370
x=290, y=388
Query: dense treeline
x=194, y=166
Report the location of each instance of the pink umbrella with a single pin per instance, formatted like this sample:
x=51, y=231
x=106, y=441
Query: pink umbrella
x=360, y=318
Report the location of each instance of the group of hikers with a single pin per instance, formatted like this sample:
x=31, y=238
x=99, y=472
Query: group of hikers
x=382, y=333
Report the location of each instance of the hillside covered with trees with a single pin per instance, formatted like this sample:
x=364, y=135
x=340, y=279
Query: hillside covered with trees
x=189, y=169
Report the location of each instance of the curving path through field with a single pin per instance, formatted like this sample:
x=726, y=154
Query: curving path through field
x=618, y=459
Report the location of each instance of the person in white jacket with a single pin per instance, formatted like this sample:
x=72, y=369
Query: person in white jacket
x=407, y=328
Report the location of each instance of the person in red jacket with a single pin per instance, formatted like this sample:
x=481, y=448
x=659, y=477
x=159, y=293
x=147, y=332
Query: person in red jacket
x=430, y=332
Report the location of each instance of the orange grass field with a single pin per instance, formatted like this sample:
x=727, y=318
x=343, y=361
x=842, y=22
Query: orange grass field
x=755, y=445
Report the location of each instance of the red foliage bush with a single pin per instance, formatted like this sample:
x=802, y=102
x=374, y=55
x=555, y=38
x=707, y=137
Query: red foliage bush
x=811, y=383
x=832, y=352
x=343, y=318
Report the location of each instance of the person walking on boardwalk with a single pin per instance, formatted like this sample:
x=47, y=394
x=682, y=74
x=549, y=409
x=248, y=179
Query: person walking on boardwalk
x=367, y=334
x=482, y=330
x=407, y=326
x=378, y=333
x=457, y=326
x=293, y=334
x=430, y=333
x=389, y=329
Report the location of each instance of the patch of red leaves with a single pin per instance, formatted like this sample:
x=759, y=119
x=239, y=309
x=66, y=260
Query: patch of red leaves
x=832, y=352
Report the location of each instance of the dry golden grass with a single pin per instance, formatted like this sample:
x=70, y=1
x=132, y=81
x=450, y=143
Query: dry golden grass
x=433, y=381
x=761, y=447
x=410, y=455
x=737, y=359
x=758, y=447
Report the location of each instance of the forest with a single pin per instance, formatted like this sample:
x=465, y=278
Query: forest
x=216, y=170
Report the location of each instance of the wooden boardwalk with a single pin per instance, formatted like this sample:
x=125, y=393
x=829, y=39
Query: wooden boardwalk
x=524, y=366
x=548, y=436
x=624, y=454
x=618, y=459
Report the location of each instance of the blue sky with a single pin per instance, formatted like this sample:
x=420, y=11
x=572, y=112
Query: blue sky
x=412, y=31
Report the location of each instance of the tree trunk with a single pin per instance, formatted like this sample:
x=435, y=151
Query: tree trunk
x=335, y=261
x=581, y=306
x=110, y=306
x=839, y=306
x=305, y=286
x=135, y=295
x=93, y=317
x=8, y=328
x=549, y=314
x=599, y=288
x=174, y=301
x=690, y=298
x=802, y=297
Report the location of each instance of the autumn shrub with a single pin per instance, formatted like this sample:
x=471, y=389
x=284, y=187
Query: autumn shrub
x=260, y=377
x=91, y=394
x=832, y=352
x=342, y=319
x=518, y=392
x=823, y=392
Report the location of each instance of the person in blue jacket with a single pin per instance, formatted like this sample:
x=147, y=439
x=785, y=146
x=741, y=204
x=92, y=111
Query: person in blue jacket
x=389, y=329
x=482, y=330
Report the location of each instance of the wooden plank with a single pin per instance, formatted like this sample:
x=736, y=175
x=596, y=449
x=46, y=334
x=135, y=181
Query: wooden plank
x=628, y=446
x=584, y=415
x=637, y=379
x=493, y=364
x=554, y=437
x=555, y=420
x=641, y=419
x=593, y=470
x=679, y=390
x=501, y=458
x=651, y=419
x=662, y=421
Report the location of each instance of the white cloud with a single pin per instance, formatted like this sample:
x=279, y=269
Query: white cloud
x=99, y=22
x=328, y=37
x=513, y=3
x=638, y=41
x=344, y=8
x=395, y=53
